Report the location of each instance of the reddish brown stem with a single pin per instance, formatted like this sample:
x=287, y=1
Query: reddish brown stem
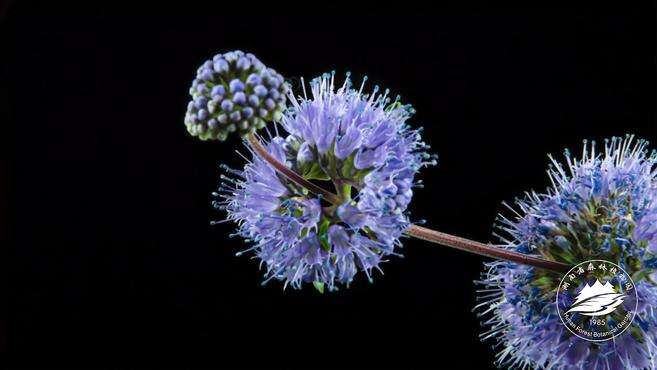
x=257, y=147
x=483, y=249
x=414, y=230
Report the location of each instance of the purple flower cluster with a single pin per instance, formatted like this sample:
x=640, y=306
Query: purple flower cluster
x=601, y=206
x=233, y=92
x=357, y=143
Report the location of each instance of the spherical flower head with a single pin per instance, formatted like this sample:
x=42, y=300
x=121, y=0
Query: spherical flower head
x=602, y=206
x=356, y=144
x=233, y=92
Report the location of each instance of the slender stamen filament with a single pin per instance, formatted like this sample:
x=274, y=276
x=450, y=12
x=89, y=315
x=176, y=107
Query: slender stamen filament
x=413, y=230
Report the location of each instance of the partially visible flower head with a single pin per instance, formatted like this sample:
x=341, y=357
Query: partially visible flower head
x=233, y=92
x=602, y=205
x=357, y=143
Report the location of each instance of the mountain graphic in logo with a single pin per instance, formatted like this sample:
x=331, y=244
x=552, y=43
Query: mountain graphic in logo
x=597, y=299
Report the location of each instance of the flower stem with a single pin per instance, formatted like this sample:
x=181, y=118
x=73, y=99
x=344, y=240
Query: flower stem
x=257, y=147
x=415, y=231
x=483, y=249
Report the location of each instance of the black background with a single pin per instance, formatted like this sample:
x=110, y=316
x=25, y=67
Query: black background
x=112, y=258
